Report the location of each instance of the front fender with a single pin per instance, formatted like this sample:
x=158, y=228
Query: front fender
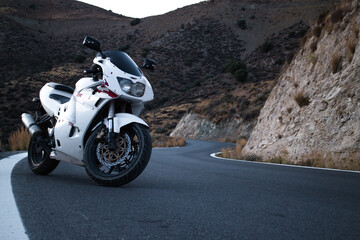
x=123, y=119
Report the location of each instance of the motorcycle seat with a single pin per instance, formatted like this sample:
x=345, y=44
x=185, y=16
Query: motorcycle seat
x=62, y=87
x=61, y=99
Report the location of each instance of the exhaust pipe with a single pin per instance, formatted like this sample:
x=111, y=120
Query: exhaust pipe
x=30, y=123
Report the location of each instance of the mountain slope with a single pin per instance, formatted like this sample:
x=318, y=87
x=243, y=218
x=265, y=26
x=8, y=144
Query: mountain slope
x=41, y=42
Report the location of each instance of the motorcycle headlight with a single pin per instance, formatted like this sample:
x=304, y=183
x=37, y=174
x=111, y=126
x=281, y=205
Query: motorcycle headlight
x=125, y=84
x=138, y=89
x=135, y=89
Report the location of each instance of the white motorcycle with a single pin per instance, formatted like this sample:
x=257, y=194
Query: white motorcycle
x=95, y=125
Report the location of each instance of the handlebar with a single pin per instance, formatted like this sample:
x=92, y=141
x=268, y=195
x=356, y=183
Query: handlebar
x=93, y=71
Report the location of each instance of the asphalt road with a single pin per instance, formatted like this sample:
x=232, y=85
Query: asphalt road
x=186, y=194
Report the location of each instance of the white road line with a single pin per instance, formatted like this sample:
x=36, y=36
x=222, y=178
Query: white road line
x=284, y=165
x=11, y=226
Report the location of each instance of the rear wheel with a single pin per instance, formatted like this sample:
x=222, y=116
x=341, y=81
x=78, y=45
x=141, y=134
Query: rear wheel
x=123, y=164
x=40, y=161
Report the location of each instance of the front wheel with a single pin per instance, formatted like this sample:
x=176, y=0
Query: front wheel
x=122, y=165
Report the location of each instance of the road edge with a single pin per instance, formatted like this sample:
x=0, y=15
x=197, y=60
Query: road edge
x=213, y=155
x=11, y=225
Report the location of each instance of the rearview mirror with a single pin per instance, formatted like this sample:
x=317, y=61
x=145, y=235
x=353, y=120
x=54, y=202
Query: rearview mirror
x=149, y=64
x=92, y=43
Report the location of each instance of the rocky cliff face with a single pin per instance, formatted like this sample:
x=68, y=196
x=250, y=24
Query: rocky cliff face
x=313, y=112
x=193, y=127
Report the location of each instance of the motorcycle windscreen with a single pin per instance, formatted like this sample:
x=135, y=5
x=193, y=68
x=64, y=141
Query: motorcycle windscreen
x=122, y=61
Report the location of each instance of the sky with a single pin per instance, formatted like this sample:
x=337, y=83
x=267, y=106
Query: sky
x=140, y=8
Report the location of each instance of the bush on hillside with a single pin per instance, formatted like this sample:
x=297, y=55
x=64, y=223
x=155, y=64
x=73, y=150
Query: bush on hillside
x=136, y=21
x=124, y=48
x=335, y=63
x=80, y=58
x=237, y=68
x=266, y=47
x=301, y=99
x=242, y=24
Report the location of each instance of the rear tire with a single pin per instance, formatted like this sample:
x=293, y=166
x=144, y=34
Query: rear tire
x=40, y=161
x=122, y=165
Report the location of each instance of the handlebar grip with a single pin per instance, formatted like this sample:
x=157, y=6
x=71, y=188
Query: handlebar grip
x=90, y=71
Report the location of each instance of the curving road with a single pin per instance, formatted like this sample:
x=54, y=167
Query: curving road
x=186, y=194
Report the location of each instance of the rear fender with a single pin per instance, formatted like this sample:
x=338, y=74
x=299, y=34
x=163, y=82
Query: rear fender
x=123, y=119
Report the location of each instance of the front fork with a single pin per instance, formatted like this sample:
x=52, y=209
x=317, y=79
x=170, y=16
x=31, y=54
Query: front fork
x=111, y=134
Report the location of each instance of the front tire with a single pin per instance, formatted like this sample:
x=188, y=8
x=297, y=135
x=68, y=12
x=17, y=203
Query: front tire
x=39, y=160
x=122, y=165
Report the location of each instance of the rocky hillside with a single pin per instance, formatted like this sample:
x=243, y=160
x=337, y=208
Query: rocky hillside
x=217, y=60
x=312, y=114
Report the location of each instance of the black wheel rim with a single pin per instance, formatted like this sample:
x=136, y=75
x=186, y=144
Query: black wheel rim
x=37, y=154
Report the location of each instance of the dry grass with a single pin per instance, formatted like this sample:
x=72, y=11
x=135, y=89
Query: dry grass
x=350, y=48
x=166, y=141
x=313, y=46
x=19, y=140
x=337, y=15
x=230, y=140
x=355, y=29
x=312, y=57
x=335, y=62
x=317, y=31
x=312, y=159
x=279, y=160
x=234, y=153
x=316, y=159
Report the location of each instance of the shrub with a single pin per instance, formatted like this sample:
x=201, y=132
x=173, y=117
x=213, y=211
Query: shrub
x=292, y=34
x=240, y=144
x=80, y=58
x=135, y=21
x=335, y=63
x=278, y=159
x=19, y=140
x=124, y=48
x=189, y=62
x=233, y=66
x=322, y=17
x=197, y=83
x=234, y=153
x=241, y=75
x=237, y=68
x=313, y=46
x=228, y=153
x=242, y=24
x=302, y=32
x=266, y=47
x=160, y=130
x=145, y=52
x=312, y=58
x=337, y=16
x=253, y=158
x=350, y=49
x=317, y=31
x=301, y=99
x=163, y=100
